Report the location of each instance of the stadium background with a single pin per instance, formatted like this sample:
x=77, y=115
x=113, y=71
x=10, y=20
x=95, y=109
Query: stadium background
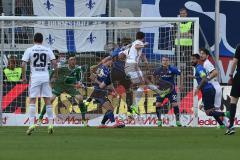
x=15, y=93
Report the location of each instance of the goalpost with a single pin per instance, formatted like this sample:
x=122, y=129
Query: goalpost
x=91, y=39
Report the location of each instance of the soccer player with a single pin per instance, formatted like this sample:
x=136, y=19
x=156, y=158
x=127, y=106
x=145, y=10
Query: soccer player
x=212, y=74
x=235, y=91
x=118, y=74
x=207, y=89
x=167, y=73
x=102, y=83
x=133, y=71
x=67, y=79
x=39, y=56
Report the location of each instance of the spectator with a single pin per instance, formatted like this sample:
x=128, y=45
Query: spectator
x=183, y=42
x=12, y=73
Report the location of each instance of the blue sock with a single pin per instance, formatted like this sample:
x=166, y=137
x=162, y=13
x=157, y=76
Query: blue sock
x=108, y=115
x=176, y=112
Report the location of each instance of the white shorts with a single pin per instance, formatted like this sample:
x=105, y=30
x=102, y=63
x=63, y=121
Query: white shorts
x=218, y=95
x=134, y=73
x=41, y=90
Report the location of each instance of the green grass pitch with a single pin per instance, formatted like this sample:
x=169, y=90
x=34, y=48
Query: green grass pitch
x=118, y=144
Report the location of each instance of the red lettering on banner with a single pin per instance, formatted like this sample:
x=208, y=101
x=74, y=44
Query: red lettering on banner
x=237, y=122
x=207, y=122
x=150, y=120
x=165, y=121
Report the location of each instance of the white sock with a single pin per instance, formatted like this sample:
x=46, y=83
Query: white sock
x=32, y=113
x=49, y=112
x=153, y=88
x=138, y=95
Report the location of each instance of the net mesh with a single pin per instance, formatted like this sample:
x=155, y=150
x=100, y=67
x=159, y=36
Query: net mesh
x=91, y=42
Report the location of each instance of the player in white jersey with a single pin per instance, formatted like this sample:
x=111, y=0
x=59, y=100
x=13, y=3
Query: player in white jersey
x=39, y=56
x=134, y=56
x=212, y=76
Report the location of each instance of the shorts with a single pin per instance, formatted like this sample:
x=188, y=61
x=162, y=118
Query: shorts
x=235, y=91
x=171, y=96
x=134, y=73
x=100, y=95
x=40, y=90
x=218, y=95
x=120, y=78
x=208, y=98
x=58, y=90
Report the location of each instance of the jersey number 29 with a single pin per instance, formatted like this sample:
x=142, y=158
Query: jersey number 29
x=40, y=60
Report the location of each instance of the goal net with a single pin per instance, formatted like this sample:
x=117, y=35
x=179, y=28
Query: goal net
x=91, y=39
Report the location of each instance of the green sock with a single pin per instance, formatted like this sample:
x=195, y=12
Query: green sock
x=83, y=110
x=42, y=112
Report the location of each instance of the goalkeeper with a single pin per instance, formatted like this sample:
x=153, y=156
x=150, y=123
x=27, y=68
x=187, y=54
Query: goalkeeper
x=67, y=79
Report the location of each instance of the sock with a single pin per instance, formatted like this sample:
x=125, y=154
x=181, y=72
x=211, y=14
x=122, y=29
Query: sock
x=158, y=112
x=129, y=100
x=154, y=88
x=217, y=118
x=42, y=112
x=176, y=112
x=139, y=93
x=83, y=110
x=108, y=115
x=49, y=112
x=219, y=114
x=32, y=113
x=232, y=114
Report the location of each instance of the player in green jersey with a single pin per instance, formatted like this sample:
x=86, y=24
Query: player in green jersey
x=67, y=79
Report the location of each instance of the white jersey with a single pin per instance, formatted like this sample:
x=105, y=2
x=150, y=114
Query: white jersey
x=39, y=57
x=218, y=95
x=209, y=68
x=134, y=55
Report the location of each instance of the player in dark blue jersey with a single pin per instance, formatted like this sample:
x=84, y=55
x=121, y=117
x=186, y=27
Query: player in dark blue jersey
x=102, y=84
x=207, y=89
x=167, y=73
x=118, y=74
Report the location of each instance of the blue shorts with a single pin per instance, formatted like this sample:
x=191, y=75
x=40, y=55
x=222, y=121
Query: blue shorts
x=208, y=98
x=171, y=96
x=100, y=95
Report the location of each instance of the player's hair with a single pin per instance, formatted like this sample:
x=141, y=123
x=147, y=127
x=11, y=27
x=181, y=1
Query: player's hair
x=38, y=38
x=140, y=35
x=183, y=9
x=164, y=56
x=196, y=55
x=206, y=51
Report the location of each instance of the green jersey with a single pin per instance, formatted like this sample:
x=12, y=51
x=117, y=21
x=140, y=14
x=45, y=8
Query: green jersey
x=66, y=78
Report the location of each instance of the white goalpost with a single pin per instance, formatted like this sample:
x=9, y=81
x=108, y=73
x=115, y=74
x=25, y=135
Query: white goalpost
x=91, y=39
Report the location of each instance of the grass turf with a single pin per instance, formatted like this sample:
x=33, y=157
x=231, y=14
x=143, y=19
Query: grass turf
x=118, y=144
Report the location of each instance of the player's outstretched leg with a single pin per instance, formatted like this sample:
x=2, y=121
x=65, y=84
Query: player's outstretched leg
x=158, y=112
x=231, y=129
x=138, y=96
x=83, y=109
x=177, y=115
x=109, y=115
x=42, y=113
x=32, y=113
x=49, y=112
